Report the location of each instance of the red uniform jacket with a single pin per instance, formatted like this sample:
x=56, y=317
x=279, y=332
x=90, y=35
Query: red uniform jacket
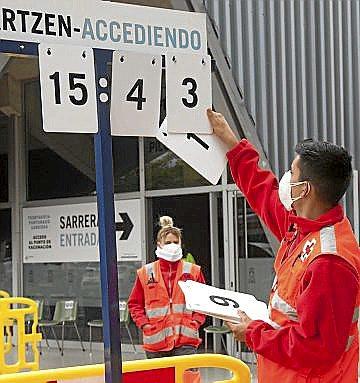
x=329, y=290
x=136, y=302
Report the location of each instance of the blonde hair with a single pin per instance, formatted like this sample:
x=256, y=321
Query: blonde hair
x=167, y=227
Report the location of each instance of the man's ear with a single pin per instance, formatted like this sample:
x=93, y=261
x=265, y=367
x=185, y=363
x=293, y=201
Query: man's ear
x=307, y=190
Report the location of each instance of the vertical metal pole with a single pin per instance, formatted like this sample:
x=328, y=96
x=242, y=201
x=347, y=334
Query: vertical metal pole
x=106, y=220
x=18, y=187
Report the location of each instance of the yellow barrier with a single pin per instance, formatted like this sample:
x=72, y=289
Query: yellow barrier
x=9, y=314
x=7, y=330
x=95, y=373
x=4, y=294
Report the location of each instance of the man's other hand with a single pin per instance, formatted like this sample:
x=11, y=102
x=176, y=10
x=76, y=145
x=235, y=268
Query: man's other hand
x=239, y=329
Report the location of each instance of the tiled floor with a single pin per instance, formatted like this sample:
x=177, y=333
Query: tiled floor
x=51, y=358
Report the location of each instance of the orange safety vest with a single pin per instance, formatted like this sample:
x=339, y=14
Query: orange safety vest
x=337, y=240
x=171, y=323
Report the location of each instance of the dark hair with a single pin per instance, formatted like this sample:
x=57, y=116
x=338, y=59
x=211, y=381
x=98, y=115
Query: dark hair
x=327, y=166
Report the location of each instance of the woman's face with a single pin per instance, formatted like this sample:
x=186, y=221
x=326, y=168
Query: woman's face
x=169, y=238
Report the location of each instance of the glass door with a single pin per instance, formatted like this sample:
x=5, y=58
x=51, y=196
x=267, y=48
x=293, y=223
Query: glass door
x=251, y=258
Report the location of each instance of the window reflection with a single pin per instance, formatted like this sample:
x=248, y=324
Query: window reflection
x=163, y=169
x=81, y=281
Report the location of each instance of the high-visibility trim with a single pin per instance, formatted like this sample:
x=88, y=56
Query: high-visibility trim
x=169, y=331
x=279, y=304
x=158, y=337
x=187, y=267
x=328, y=240
x=188, y=332
x=158, y=312
x=180, y=308
x=356, y=315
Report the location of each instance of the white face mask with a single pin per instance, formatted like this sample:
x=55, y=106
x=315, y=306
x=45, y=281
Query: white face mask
x=171, y=252
x=285, y=190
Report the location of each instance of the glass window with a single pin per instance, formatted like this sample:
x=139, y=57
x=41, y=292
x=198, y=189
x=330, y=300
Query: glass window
x=4, y=130
x=5, y=251
x=256, y=261
x=258, y=245
x=164, y=170
x=126, y=164
x=59, y=165
x=81, y=281
x=4, y=179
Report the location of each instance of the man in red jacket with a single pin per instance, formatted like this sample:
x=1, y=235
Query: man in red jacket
x=314, y=302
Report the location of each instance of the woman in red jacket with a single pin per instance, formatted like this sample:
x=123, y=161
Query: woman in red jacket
x=157, y=304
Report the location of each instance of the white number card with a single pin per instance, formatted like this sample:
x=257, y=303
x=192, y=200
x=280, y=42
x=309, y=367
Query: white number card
x=135, y=94
x=188, y=93
x=68, y=92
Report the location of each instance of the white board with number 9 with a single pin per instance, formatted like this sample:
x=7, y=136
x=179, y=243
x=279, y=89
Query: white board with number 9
x=188, y=93
x=135, y=94
x=68, y=90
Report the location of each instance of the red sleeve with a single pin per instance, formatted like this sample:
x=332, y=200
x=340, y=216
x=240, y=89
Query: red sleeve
x=200, y=318
x=259, y=186
x=136, y=304
x=325, y=308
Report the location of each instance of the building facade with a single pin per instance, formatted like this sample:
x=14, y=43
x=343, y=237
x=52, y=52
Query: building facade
x=284, y=71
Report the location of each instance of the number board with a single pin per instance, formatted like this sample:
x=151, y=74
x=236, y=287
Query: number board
x=205, y=153
x=68, y=93
x=135, y=94
x=188, y=93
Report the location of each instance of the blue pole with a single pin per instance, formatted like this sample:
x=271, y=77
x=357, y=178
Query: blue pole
x=106, y=220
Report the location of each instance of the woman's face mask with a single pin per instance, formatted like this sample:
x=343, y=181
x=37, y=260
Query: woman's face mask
x=285, y=186
x=171, y=252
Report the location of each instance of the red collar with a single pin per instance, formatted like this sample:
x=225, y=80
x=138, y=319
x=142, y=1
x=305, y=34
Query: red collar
x=306, y=226
x=166, y=265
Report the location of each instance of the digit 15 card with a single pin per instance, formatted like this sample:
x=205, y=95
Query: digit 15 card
x=68, y=89
x=222, y=304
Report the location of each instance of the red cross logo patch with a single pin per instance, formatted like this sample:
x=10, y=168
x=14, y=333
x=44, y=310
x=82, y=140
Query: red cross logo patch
x=307, y=249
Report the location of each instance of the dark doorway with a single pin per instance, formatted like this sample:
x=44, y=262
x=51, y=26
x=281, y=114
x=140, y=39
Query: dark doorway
x=191, y=214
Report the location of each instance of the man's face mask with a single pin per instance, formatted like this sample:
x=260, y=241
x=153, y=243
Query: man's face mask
x=285, y=186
